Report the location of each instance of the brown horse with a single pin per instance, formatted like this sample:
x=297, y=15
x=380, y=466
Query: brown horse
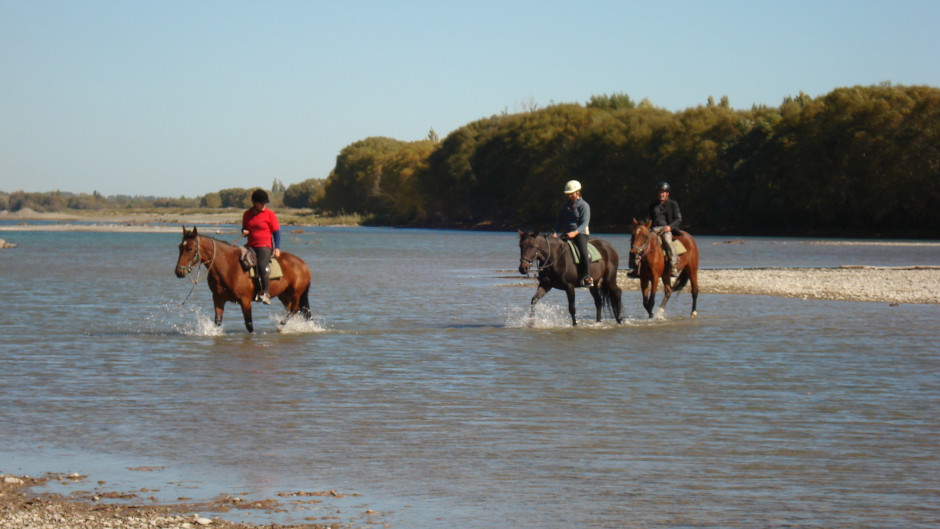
x=557, y=269
x=228, y=281
x=650, y=262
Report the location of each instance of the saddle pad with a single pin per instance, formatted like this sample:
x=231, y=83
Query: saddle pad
x=274, y=267
x=592, y=250
x=678, y=246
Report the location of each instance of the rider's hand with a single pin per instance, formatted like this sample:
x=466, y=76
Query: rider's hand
x=572, y=234
x=277, y=252
x=244, y=233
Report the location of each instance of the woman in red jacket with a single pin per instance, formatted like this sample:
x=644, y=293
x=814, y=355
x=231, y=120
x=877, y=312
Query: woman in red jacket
x=260, y=225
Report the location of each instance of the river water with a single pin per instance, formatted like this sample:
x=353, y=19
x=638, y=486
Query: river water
x=425, y=397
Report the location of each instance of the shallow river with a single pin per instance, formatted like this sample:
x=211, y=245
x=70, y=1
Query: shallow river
x=425, y=397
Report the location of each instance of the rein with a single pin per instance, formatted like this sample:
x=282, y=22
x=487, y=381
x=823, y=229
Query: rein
x=197, y=260
x=542, y=263
x=642, y=251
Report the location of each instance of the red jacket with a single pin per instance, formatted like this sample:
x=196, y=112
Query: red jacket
x=261, y=226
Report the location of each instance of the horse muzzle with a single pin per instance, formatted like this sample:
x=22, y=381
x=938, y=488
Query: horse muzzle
x=524, y=266
x=181, y=272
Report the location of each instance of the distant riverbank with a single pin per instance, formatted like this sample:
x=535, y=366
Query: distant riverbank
x=889, y=285
x=155, y=221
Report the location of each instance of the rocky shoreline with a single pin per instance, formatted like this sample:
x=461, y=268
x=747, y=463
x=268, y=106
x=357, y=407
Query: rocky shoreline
x=847, y=283
x=23, y=508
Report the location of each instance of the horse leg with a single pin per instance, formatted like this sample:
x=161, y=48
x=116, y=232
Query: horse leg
x=693, y=277
x=291, y=302
x=614, y=294
x=219, y=304
x=667, y=291
x=648, y=289
x=598, y=302
x=539, y=292
x=246, y=312
x=570, y=291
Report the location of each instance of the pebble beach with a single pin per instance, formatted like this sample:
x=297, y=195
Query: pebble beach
x=882, y=285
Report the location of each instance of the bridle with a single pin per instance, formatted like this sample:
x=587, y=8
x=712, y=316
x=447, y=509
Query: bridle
x=541, y=262
x=197, y=257
x=641, y=251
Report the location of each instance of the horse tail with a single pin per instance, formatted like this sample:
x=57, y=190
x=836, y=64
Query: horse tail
x=305, y=302
x=681, y=281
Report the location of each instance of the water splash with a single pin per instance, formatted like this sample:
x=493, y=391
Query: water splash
x=545, y=316
x=297, y=324
x=173, y=318
x=196, y=322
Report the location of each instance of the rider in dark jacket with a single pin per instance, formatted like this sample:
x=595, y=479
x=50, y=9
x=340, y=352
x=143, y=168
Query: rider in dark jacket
x=666, y=217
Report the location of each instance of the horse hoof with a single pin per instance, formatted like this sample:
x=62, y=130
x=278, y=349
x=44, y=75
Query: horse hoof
x=694, y=313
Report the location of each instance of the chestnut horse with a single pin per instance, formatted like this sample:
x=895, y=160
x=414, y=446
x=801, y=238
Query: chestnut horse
x=557, y=269
x=228, y=281
x=648, y=257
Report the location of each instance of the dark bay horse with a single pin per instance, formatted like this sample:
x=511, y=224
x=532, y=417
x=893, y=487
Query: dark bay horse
x=557, y=269
x=647, y=255
x=228, y=281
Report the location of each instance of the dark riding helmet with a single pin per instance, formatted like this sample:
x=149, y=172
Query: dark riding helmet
x=663, y=186
x=260, y=196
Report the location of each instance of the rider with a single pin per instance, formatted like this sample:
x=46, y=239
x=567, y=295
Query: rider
x=574, y=218
x=664, y=212
x=260, y=225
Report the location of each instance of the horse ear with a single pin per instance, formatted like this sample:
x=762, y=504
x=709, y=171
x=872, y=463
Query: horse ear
x=634, y=221
x=648, y=223
x=520, y=232
x=194, y=229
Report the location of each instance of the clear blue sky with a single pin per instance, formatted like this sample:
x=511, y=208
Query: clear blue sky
x=179, y=98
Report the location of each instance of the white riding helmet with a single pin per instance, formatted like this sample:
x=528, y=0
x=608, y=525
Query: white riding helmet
x=572, y=186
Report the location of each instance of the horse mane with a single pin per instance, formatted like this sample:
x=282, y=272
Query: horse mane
x=211, y=238
x=220, y=241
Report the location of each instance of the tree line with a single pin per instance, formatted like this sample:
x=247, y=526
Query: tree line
x=859, y=161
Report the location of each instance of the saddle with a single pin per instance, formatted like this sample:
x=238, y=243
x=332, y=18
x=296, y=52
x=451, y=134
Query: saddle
x=593, y=252
x=249, y=262
x=677, y=246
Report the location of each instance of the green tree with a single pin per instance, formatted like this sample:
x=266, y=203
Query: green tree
x=305, y=194
x=235, y=197
x=617, y=101
x=210, y=200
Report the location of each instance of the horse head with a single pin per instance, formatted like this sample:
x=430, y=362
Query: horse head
x=528, y=249
x=640, y=239
x=189, y=253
